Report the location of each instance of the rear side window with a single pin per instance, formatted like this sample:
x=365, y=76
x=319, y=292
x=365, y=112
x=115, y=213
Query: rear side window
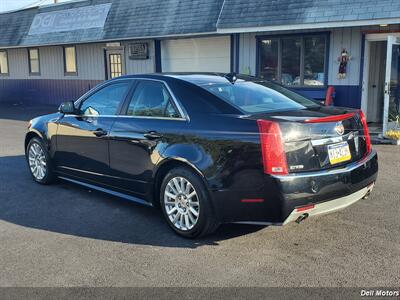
x=105, y=101
x=259, y=97
x=152, y=99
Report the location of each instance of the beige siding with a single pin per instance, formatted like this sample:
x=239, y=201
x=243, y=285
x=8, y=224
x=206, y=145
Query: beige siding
x=90, y=63
x=17, y=64
x=90, y=59
x=140, y=66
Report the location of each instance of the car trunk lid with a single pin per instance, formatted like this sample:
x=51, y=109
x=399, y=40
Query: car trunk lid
x=318, y=139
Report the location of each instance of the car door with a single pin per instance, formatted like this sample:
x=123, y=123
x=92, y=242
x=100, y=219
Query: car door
x=151, y=122
x=82, y=139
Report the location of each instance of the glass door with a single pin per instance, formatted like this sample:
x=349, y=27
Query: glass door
x=391, y=112
x=115, y=63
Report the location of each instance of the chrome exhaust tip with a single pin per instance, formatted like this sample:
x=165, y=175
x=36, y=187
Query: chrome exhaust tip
x=366, y=195
x=301, y=218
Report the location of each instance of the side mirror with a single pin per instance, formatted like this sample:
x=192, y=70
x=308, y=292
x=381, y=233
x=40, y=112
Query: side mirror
x=67, y=107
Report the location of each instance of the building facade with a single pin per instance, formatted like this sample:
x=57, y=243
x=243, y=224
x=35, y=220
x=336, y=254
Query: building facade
x=56, y=53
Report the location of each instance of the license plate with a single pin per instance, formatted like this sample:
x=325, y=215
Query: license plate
x=339, y=153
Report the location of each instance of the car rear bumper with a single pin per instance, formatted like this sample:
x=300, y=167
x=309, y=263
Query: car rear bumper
x=282, y=199
x=330, y=206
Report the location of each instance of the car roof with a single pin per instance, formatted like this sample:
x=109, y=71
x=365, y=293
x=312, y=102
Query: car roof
x=194, y=78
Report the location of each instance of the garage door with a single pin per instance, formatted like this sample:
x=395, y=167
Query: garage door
x=198, y=55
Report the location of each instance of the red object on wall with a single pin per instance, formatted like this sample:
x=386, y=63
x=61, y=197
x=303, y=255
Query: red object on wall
x=329, y=96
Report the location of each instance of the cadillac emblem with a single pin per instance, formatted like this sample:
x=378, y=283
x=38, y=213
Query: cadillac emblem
x=339, y=128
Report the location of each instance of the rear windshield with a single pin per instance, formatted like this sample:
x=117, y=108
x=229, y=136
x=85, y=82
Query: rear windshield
x=259, y=97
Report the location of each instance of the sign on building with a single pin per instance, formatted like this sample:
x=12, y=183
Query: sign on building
x=139, y=51
x=93, y=16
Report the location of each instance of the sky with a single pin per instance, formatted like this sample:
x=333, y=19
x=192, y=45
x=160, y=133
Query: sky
x=6, y=5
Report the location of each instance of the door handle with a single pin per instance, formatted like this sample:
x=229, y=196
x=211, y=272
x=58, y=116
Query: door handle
x=100, y=132
x=152, y=135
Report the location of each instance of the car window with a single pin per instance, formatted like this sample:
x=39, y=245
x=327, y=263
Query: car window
x=152, y=99
x=106, y=100
x=257, y=97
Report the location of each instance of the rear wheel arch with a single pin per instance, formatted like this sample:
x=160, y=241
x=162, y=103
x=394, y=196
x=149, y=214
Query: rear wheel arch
x=163, y=170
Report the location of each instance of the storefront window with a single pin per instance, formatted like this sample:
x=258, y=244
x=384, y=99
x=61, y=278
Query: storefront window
x=291, y=51
x=294, y=61
x=314, y=60
x=269, y=60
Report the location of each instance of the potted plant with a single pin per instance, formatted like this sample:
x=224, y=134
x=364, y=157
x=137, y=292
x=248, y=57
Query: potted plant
x=394, y=131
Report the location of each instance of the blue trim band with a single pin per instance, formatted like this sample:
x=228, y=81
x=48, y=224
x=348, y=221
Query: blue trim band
x=237, y=51
x=157, y=49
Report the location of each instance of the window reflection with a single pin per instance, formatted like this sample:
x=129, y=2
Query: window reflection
x=291, y=49
x=269, y=60
x=314, y=60
x=294, y=61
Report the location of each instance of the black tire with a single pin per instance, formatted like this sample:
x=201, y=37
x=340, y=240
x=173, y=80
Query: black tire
x=207, y=222
x=49, y=176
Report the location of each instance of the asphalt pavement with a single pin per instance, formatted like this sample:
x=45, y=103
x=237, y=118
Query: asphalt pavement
x=66, y=235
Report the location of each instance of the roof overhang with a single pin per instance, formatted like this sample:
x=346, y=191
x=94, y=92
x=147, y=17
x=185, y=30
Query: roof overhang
x=310, y=26
x=101, y=41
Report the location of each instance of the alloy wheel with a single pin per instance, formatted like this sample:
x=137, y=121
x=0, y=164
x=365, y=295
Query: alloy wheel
x=37, y=161
x=181, y=203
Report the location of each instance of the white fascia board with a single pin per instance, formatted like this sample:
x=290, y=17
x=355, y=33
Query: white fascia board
x=101, y=41
x=310, y=26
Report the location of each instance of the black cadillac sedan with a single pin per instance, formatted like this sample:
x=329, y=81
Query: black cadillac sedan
x=208, y=149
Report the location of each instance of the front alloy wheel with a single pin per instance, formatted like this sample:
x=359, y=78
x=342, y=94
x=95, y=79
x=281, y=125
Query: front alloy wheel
x=39, y=162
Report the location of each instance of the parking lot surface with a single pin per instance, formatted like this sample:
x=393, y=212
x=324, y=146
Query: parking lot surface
x=65, y=235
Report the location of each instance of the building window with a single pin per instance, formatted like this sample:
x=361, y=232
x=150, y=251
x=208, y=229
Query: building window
x=294, y=61
x=34, y=61
x=70, y=63
x=3, y=63
x=115, y=65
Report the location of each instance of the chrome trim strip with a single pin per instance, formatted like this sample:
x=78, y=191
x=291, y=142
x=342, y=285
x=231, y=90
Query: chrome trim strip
x=125, y=116
x=104, y=190
x=332, y=205
x=97, y=174
x=348, y=168
x=335, y=139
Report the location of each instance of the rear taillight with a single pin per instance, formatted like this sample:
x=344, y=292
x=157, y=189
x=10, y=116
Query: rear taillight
x=366, y=132
x=273, y=152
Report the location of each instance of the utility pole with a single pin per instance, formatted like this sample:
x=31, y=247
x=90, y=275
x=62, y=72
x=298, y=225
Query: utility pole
x=55, y=1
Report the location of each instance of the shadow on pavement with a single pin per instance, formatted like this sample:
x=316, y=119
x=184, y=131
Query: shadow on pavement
x=23, y=112
x=69, y=209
